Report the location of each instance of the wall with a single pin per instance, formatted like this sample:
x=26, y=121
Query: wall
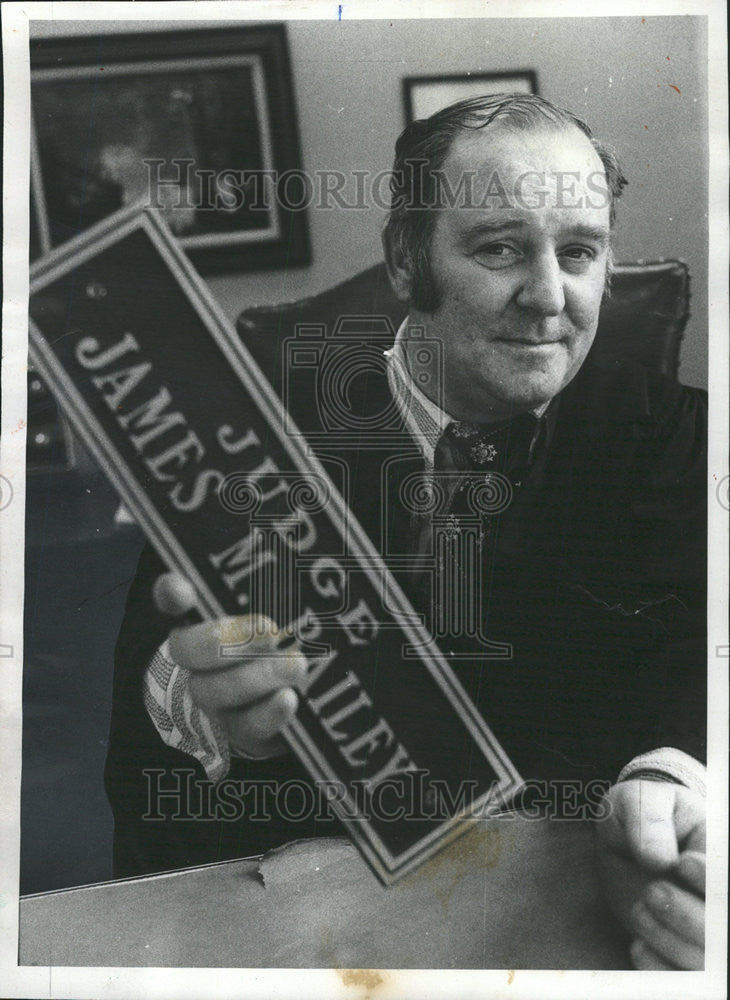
x=620, y=73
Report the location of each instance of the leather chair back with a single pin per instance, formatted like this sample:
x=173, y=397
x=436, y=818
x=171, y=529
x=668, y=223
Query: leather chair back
x=642, y=319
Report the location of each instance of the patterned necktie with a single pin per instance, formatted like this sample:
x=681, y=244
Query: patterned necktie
x=504, y=448
x=477, y=469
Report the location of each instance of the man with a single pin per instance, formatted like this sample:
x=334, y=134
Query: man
x=499, y=240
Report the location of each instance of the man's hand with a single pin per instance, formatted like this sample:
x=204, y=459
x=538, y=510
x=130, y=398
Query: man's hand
x=653, y=859
x=251, y=691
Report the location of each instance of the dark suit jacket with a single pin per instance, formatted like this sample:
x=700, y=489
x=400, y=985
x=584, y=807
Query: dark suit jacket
x=597, y=581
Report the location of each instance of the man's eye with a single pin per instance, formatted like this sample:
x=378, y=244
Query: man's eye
x=578, y=253
x=496, y=253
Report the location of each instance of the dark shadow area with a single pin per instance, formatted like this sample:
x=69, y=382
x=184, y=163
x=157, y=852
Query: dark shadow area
x=78, y=567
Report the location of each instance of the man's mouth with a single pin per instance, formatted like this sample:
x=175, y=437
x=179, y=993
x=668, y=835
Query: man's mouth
x=528, y=342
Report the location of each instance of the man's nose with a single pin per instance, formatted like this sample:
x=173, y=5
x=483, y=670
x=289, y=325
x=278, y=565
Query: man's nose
x=542, y=287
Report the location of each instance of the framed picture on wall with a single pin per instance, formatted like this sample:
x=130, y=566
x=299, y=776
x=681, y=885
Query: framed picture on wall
x=424, y=95
x=199, y=123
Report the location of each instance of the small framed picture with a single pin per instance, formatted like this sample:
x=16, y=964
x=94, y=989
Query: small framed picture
x=201, y=125
x=424, y=95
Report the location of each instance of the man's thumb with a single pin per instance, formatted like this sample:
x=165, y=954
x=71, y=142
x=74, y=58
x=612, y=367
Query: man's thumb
x=647, y=817
x=173, y=594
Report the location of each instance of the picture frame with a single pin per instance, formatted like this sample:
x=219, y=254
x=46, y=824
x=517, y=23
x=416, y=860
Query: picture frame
x=424, y=95
x=193, y=123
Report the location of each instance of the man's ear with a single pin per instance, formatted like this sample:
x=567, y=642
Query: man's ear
x=610, y=263
x=398, y=267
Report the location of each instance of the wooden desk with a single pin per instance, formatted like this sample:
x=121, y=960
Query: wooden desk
x=508, y=894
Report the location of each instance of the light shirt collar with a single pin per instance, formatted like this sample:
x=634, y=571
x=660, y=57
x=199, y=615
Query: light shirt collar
x=424, y=419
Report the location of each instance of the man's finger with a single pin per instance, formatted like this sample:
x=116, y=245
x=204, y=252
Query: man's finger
x=665, y=942
x=173, y=594
x=677, y=909
x=691, y=870
x=647, y=960
x=215, y=645
x=689, y=820
x=646, y=815
x=255, y=730
x=248, y=681
x=263, y=750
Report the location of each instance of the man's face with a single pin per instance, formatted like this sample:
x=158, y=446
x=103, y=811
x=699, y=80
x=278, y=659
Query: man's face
x=521, y=279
